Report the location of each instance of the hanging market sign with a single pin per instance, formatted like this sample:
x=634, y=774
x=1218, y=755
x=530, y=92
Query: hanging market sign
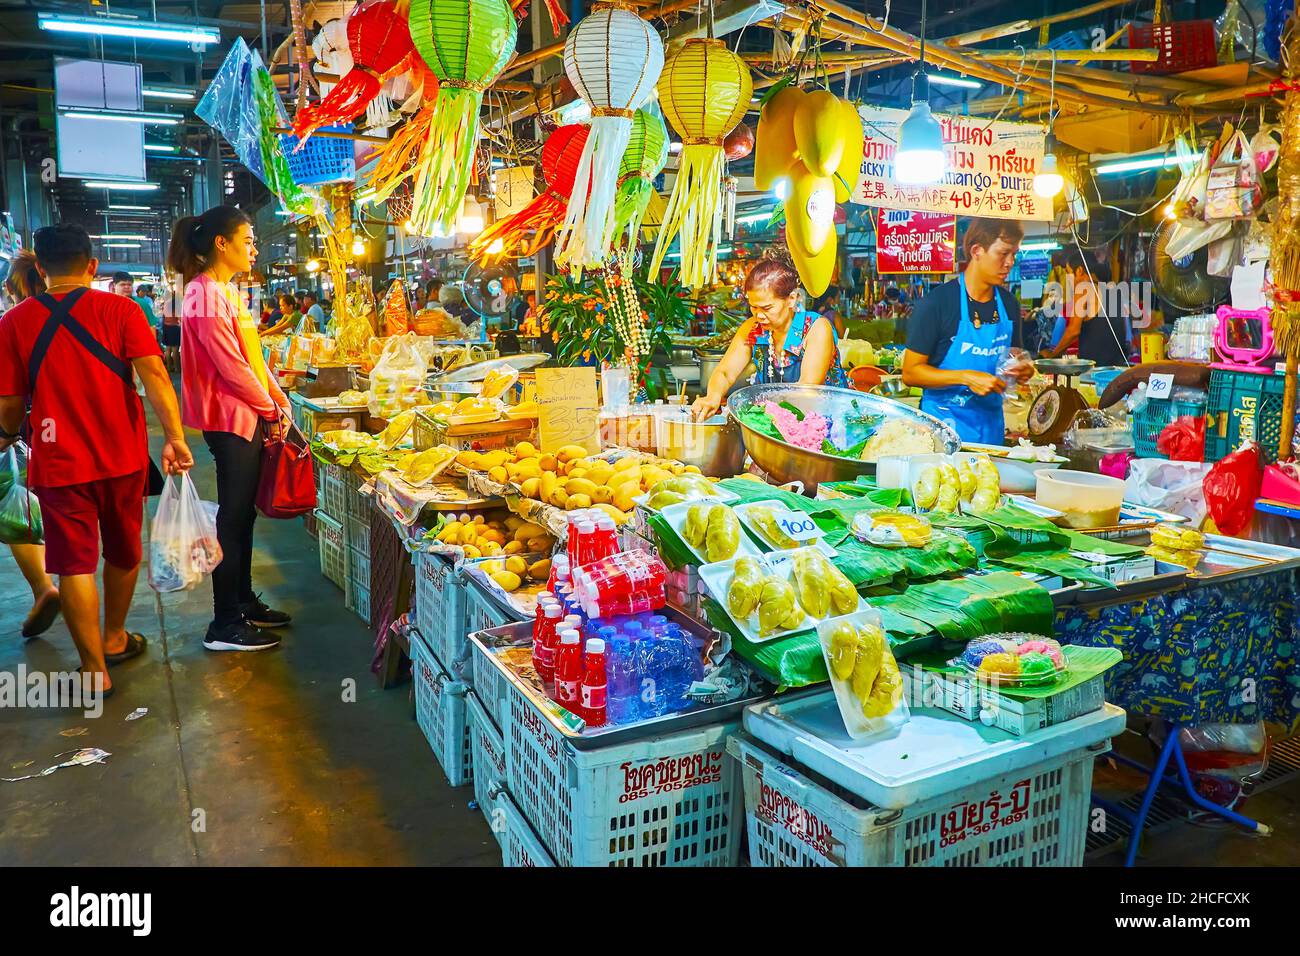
x=991, y=168
x=908, y=241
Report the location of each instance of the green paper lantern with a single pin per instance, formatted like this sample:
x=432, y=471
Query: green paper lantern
x=643, y=160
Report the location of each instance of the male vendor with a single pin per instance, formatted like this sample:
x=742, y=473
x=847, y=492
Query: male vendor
x=960, y=331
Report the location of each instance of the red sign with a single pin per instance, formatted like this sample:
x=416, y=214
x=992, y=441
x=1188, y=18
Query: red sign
x=908, y=241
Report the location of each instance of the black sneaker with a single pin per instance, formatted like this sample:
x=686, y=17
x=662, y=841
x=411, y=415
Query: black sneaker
x=258, y=614
x=240, y=636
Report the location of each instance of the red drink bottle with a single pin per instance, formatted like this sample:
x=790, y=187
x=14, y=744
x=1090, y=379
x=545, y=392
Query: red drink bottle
x=568, y=672
x=593, y=684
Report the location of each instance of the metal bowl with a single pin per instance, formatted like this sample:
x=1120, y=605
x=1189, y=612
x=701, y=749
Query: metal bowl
x=714, y=446
x=783, y=462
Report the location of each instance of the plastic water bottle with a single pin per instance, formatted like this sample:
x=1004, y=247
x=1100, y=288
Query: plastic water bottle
x=656, y=624
x=594, y=692
x=684, y=668
x=624, y=684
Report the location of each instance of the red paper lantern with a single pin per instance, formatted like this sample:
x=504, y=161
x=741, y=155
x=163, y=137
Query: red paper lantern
x=560, y=156
x=739, y=143
x=380, y=43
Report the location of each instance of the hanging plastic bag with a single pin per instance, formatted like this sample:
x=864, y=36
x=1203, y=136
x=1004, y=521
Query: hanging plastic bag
x=1173, y=486
x=1188, y=198
x=1183, y=439
x=20, y=512
x=397, y=381
x=183, y=543
x=1233, y=187
x=1224, y=254
x=1265, y=146
x=1231, y=487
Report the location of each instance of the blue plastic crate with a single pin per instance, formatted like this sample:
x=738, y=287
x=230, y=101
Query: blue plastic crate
x=324, y=159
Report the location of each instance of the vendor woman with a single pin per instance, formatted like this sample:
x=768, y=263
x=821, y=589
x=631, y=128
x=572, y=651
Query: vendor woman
x=808, y=353
x=959, y=332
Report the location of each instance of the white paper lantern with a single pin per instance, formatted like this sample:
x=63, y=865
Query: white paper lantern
x=613, y=59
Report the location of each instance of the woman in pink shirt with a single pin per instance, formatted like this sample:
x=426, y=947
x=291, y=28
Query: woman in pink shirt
x=229, y=395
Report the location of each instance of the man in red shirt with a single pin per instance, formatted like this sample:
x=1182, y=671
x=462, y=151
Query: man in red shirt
x=72, y=351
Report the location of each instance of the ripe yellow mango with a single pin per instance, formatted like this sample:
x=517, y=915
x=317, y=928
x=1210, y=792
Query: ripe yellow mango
x=815, y=272
x=851, y=159
x=576, y=502
x=508, y=580
x=528, y=530
x=580, y=486
x=571, y=452
x=525, y=449
x=540, y=570
x=530, y=487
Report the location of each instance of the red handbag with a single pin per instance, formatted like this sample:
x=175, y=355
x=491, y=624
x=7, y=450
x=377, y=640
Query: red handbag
x=287, y=488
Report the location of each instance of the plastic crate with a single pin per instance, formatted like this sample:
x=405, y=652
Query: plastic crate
x=440, y=712
x=357, y=532
x=520, y=846
x=487, y=751
x=1037, y=816
x=672, y=800
x=440, y=605
x=333, y=549
x=1243, y=405
x=333, y=493
x=482, y=610
x=1149, y=420
x=356, y=595
x=322, y=159
x=1185, y=45
x=356, y=502
x=491, y=685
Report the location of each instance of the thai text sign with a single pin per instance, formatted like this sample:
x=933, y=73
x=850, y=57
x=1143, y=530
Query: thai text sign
x=909, y=241
x=991, y=168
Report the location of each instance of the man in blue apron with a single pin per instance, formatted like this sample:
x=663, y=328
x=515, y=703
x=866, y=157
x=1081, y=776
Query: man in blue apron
x=959, y=333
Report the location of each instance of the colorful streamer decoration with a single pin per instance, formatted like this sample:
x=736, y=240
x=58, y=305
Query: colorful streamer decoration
x=380, y=45
x=275, y=168
x=613, y=59
x=643, y=160
x=561, y=154
x=554, y=9
x=472, y=44
x=704, y=92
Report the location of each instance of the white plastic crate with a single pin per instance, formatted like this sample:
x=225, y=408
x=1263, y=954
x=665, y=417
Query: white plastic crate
x=440, y=712
x=356, y=597
x=333, y=493
x=488, y=759
x=520, y=846
x=673, y=800
x=482, y=610
x=333, y=549
x=439, y=611
x=357, y=532
x=1036, y=816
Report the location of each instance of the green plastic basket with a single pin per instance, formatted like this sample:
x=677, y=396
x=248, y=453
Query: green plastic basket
x=1150, y=420
x=1243, y=406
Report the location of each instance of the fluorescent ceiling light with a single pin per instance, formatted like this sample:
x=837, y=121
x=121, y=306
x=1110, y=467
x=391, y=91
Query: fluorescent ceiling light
x=159, y=148
x=1040, y=246
x=131, y=29
x=1144, y=162
x=283, y=212
x=119, y=235
x=114, y=205
x=184, y=96
x=960, y=81
x=138, y=187
x=755, y=217
x=125, y=116
x=121, y=245
x=134, y=272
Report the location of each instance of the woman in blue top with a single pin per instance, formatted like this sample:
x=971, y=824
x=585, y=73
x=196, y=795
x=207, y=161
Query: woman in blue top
x=808, y=352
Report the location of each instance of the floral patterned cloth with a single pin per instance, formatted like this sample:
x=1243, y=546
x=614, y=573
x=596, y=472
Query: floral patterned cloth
x=1217, y=653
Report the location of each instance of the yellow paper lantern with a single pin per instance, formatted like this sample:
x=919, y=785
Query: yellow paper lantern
x=704, y=92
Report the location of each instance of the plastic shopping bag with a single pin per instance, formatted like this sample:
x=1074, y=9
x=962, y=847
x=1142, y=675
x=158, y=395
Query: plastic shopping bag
x=397, y=382
x=20, y=512
x=1173, y=486
x=1232, y=191
x=182, y=539
x=1231, y=487
x=1183, y=439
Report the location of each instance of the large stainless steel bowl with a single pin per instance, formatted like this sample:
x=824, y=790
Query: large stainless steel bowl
x=713, y=446
x=784, y=462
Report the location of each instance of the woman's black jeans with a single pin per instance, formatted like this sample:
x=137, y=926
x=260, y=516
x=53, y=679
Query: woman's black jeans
x=239, y=467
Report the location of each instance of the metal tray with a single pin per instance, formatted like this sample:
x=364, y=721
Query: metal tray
x=1231, y=559
x=521, y=635
x=477, y=371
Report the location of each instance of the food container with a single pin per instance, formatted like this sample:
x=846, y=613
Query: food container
x=837, y=638
x=714, y=446
x=1086, y=500
x=1015, y=475
x=1015, y=654
x=676, y=516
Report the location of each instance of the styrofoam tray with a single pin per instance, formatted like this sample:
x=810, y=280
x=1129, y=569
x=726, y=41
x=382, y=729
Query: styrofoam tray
x=675, y=515
x=722, y=497
x=935, y=752
x=742, y=512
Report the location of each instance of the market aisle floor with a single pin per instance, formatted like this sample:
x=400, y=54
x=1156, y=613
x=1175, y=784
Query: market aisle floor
x=243, y=759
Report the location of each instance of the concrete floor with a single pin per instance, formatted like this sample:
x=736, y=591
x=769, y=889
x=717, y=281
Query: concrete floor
x=284, y=771
x=255, y=759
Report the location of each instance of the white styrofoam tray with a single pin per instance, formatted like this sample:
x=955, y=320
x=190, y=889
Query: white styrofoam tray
x=933, y=753
x=675, y=515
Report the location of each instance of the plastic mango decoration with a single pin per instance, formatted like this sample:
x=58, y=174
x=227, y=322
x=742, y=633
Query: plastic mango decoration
x=813, y=141
x=704, y=91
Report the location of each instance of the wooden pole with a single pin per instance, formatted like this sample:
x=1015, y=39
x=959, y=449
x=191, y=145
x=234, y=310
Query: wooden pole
x=358, y=137
x=1023, y=26
x=996, y=56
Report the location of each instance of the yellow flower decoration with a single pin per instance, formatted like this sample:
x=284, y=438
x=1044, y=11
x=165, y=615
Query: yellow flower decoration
x=586, y=334
x=555, y=336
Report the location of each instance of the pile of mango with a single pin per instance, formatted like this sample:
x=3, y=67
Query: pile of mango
x=486, y=537
x=571, y=479
x=511, y=573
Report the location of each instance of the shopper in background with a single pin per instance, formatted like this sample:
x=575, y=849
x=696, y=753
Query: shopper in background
x=122, y=284
x=432, y=289
x=144, y=299
x=23, y=282
x=229, y=395
x=1101, y=338
x=171, y=335
x=313, y=315
x=286, y=318
x=72, y=349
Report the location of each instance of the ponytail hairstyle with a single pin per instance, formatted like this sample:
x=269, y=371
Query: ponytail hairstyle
x=23, y=281
x=194, y=239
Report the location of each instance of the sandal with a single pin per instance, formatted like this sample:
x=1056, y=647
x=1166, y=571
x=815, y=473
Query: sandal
x=42, y=615
x=135, y=646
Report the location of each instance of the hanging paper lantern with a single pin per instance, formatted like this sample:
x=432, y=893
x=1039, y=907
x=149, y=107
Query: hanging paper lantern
x=612, y=58
x=380, y=45
x=472, y=44
x=643, y=160
x=704, y=92
x=561, y=154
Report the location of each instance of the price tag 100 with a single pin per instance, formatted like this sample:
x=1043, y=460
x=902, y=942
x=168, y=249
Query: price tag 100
x=797, y=525
x=1160, y=386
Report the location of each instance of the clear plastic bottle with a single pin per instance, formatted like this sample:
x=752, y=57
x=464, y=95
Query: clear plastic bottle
x=594, y=691
x=655, y=624
x=568, y=671
x=623, y=677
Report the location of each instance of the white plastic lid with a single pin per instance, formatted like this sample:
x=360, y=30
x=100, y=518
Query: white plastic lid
x=569, y=636
x=606, y=523
x=553, y=609
x=590, y=593
x=586, y=527
x=575, y=618
x=595, y=645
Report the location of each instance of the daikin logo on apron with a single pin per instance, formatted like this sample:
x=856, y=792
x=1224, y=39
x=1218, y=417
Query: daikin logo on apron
x=991, y=351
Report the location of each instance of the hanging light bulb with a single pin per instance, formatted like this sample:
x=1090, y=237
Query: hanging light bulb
x=1048, y=183
x=920, y=159
x=313, y=265
x=358, y=247
x=410, y=227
